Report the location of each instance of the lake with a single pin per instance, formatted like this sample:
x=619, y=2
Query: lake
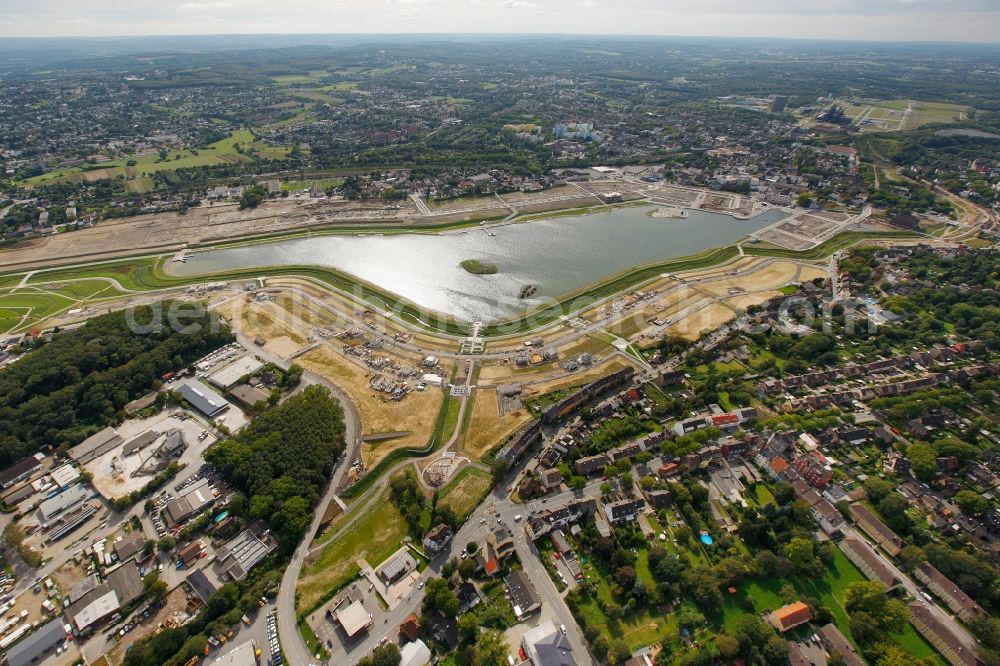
x=556, y=255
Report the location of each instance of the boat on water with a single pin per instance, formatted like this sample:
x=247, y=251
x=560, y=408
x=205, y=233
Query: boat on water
x=527, y=291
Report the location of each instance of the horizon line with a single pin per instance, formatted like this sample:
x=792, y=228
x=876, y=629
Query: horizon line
x=832, y=40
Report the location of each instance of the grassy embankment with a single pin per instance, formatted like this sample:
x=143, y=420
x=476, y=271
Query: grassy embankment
x=146, y=273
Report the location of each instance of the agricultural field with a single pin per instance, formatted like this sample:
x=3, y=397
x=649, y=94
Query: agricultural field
x=464, y=492
x=295, y=79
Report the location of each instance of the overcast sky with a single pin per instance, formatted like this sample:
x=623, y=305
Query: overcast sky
x=936, y=20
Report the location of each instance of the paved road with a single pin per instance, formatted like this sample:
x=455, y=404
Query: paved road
x=475, y=530
x=913, y=589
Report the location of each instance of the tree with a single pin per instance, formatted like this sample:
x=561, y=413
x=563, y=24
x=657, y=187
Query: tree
x=703, y=586
x=253, y=196
x=618, y=651
x=951, y=446
x=911, y=556
x=869, y=598
x=384, y=655
x=924, y=460
x=801, y=553
x=467, y=568
x=282, y=459
x=971, y=502
x=893, y=510
x=625, y=577
x=468, y=627
x=491, y=650
x=166, y=544
x=877, y=489
x=891, y=654
x=439, y=597
x=156, y=589
x=727, y=645
x=804, y=199
x=775, y=650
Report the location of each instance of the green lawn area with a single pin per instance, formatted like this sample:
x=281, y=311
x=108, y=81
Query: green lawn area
x=642, y=628
x=140, y=185
x=375, y=536
x=763, y=495
x=320, y=183
x=342, y=85
x=829, y=590
x=292, y=79
x=220, y=152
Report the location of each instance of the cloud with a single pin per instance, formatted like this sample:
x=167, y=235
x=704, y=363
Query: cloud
x=877, y=20
x=208, y=6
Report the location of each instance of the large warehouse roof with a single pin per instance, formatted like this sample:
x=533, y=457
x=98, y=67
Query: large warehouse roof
x=204, y=399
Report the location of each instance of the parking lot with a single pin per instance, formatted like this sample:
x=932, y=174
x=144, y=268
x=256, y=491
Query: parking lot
x=328, y=630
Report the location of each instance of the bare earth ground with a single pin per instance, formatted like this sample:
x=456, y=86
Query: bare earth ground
x=486, y=427
x=415, y=413
x=575, y=379
x=343, y=304
x=707, y=318
x=176, y=602
x=268, y=320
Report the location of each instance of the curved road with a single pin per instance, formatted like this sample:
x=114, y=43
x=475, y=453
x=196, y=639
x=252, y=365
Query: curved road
x=292, y=643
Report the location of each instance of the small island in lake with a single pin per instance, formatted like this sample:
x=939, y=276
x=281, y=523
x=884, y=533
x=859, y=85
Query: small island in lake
x=477, y=267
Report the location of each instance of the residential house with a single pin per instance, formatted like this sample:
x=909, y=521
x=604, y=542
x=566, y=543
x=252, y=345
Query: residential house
x=436, y=539
x=958, y=601
x=834, y=641
x=627, y=509
x=551, y=478
x=788, y=617
x=869, y=562
x=523, y=598
x=876, y=529
x=546, y=645
x=940, y=635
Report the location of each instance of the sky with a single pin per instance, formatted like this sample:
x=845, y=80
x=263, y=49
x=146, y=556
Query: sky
x=876, y=20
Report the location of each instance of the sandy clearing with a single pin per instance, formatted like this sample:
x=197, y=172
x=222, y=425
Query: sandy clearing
x=486, y=427
x=415, y=413
x=575, y=379
x=707, y=318
x=743, y=301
